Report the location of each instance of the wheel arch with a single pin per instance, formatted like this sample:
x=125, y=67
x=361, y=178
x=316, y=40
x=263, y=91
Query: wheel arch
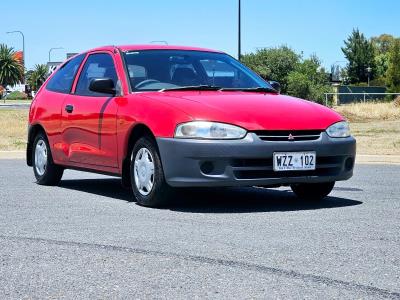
x=33, y=130
x=138, y=130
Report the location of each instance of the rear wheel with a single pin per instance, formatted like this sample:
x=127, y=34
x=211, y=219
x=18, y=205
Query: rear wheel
x=46, y=172
x=312, y=191
x=147, y=176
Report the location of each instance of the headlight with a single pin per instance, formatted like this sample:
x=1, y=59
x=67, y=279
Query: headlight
x=339, y=130
x=209, y=130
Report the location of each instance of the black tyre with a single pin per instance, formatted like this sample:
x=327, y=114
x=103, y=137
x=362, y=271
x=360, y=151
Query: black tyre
x=147, y=176
x=46, y=172
x=312, y=191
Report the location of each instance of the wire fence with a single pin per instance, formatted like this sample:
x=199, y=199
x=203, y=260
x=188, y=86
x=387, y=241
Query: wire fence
x=358, y=97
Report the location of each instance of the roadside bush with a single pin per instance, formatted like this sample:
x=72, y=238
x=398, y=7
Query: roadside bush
x=16, y=95
x=309, y=81
x=317, y=94
x=273, y=63
x=299, y=77
x=380, y=81
x=299, y=85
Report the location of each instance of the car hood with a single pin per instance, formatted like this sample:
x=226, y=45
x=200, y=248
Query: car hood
x=252, y=111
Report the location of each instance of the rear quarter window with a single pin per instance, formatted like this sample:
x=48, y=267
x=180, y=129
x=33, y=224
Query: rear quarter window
x=61, y=81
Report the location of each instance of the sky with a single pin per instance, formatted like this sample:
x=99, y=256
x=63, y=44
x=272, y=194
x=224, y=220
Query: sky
x=312, y=27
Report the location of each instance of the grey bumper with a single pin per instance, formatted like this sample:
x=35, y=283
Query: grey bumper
x=248, y=162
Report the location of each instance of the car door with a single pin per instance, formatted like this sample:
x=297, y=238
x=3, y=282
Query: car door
x=57, y=89
x=89, y=118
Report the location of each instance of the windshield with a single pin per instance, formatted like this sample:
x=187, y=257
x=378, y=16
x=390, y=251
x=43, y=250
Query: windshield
x=155, y=70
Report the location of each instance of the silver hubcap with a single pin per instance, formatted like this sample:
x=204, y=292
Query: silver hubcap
x=40, y=157
x=144, y=171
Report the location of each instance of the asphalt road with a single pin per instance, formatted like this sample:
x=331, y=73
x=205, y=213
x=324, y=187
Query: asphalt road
x=85, y=239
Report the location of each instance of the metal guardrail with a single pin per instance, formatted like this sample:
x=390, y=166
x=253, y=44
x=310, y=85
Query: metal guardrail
x=364, y=95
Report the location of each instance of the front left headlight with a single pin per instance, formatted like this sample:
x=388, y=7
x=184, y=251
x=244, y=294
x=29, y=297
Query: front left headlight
x=209, y=130
x=339, y=130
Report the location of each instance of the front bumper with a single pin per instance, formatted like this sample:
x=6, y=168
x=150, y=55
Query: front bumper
x=248, y=162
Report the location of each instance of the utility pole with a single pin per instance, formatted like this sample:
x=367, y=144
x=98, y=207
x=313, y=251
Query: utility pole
x=239, y=31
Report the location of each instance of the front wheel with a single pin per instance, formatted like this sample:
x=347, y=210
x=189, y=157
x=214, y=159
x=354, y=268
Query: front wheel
x=147, y=176
x=312, y=191
x=46, y=172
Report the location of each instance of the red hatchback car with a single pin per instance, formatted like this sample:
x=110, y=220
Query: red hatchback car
x=162, y=117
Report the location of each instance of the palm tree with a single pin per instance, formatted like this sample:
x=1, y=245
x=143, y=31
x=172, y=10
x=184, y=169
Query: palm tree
x=11, y=70
x=38, y=76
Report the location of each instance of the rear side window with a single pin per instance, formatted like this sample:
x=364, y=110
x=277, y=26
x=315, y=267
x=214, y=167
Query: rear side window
x=98, y=65
x=62, y=80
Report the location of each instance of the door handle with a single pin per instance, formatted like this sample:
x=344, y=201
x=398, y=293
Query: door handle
x=69, y=108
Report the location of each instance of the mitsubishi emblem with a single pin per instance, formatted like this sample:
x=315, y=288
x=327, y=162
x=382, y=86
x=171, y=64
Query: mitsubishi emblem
x=291, y=137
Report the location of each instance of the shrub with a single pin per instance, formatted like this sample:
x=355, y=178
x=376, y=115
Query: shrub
x=302, y=78
x=273, y=63
x=299, y=85
x=380, y=81
x=16, y=95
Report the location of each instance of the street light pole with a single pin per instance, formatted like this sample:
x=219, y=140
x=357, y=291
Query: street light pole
x=51, y=49
x=23, y=48
x=239, y=31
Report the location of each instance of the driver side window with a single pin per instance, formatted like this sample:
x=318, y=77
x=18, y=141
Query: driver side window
x=98, y=65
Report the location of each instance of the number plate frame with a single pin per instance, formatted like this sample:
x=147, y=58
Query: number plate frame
x=294, y=161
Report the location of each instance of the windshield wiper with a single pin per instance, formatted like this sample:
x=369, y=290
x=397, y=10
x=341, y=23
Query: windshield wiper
x=255, y=89
x=193, y=88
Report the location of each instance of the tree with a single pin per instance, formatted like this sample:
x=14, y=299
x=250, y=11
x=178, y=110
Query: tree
x=360, y=55
x=37, y=77
x=303, y=78
x=299, y=85
x=393, y=71
x=382, y=43
x=309, y=80
x=273, y=63
x=11, y=71
x=381, y=64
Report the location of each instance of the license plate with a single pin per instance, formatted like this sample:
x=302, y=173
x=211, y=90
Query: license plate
x=294, y=161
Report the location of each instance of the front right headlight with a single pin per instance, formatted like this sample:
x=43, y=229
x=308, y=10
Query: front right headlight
x=339, y=130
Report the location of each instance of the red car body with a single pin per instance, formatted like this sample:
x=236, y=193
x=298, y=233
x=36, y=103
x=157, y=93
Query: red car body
x=99, y=133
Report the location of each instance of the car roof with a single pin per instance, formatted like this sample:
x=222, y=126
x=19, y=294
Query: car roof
x=125, y=48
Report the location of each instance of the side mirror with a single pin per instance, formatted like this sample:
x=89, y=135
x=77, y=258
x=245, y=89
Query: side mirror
x=276, y=85
x=102, y=85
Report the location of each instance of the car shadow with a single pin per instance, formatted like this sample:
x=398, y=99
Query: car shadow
x=214, y=200
x=108, y=187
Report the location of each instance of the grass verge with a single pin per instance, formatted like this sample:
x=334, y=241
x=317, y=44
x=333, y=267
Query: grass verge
x=376, y=126
x=13, y=129
x=377, y=137
x=369, y=112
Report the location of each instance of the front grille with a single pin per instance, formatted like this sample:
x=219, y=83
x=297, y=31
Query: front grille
x=288, y=135
x=263, y=168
